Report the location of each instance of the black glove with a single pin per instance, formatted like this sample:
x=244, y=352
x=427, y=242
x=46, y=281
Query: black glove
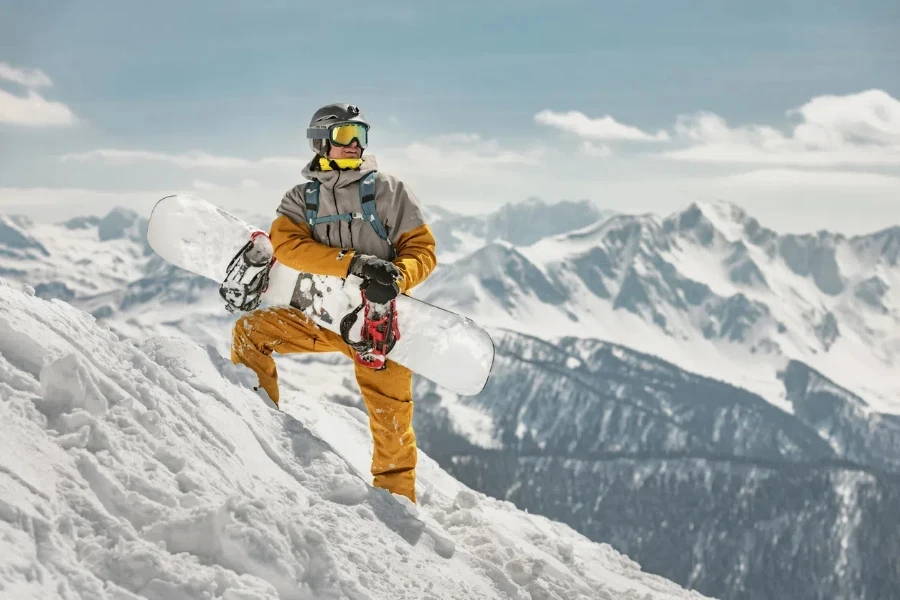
x=380, y=293
x=380, y=277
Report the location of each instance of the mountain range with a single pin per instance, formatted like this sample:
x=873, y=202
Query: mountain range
x=714, y=399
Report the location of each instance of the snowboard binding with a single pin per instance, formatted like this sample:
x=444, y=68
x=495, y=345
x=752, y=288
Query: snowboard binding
x=247, y=275
x=380, y=331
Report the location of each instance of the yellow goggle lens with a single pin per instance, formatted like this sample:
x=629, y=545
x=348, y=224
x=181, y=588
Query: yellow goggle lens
x=343, y=135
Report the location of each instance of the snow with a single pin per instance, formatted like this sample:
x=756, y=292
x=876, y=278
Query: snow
x=469, y=419
x=864, y=358
x=156, y=472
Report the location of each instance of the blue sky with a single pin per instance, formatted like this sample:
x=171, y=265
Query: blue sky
x=454, y=91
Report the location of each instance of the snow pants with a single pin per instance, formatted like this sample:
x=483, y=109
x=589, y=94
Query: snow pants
x=387, y=393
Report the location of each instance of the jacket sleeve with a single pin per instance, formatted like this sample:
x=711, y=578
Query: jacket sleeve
x=412, y=237
x=415, y=256
x=295, y=248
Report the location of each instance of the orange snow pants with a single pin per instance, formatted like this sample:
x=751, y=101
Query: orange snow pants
x=387, y=393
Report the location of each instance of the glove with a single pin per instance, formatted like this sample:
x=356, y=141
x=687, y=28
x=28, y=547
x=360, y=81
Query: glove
x=371, y=267
x=380, y=277
x=380, y=293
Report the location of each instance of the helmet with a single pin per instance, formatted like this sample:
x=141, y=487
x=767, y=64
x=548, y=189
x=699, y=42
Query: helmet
x=328, y=116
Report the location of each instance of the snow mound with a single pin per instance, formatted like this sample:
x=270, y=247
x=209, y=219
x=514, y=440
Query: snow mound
x=156, y=472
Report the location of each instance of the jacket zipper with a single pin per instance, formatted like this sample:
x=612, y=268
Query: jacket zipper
x=334, y=198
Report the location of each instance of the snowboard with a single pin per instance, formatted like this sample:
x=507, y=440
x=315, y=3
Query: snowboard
x=447, y=348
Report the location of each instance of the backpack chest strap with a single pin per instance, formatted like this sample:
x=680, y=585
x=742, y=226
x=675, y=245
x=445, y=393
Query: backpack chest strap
x=367, y=203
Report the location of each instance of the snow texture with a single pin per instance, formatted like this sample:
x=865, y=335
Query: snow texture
x=708, y=288
x=156, y=472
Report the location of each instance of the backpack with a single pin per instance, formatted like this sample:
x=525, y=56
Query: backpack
x=366, y=200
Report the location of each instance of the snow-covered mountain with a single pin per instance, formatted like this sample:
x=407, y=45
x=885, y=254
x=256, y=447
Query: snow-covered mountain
x=156, y=472
x=700, y=481
x=709, y=289
x=520, y=224
x=681, y=386
x=78, y=258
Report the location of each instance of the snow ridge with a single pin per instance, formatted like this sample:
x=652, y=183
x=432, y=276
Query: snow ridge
x=156, y=472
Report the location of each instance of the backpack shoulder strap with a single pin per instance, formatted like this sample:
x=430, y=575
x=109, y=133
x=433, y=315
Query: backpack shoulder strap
x=367, y=201
x=311, y=198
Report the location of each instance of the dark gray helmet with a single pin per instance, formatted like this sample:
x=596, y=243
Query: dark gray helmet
x=326, y=116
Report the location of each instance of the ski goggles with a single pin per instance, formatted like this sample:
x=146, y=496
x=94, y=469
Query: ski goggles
x=341, y=134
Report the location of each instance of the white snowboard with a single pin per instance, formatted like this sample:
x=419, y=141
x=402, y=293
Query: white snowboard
x=449, y=349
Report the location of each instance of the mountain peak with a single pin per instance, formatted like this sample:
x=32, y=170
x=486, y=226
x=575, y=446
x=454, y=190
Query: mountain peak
x=533, y=219
x=120, y=223
x=13, y=237
x=706, y=222
x=884, y=244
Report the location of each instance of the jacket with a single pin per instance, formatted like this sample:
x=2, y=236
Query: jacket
x=329, y=247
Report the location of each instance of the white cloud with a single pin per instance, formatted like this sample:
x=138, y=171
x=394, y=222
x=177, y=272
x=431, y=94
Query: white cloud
x=199, y=184
x=245, y=184
x=591, y=149
x=29, y=78
x=448, y=153
x=457, y=138
x=32, y=109
x=856, y=129
x=59, y=203
x=45, y=204
x=811, y=178
x=603, y=128
x=188, y=160
x=461, y=153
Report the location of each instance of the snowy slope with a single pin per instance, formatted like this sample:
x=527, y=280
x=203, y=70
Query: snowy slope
x=156, y=472
x=709, y=289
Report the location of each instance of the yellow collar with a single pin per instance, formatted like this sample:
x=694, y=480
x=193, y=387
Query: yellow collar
x=342, y=163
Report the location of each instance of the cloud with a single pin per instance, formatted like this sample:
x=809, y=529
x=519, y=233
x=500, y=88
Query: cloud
x=461, y=153
x=603, y=128
x=29, y=78
x=811, y=178
x=245, y=184
x=855, y=129
x=591, y=149
x=205, y=186
x=32, y=109
x=53, y=204
x=455, y=153
x=188, y=160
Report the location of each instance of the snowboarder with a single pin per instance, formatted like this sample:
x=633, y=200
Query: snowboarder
x=322, y=228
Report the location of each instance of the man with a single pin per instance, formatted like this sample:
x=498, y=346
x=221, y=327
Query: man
x=392, y=253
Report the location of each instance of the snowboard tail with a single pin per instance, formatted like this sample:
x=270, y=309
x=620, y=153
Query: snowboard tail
x=197, y=236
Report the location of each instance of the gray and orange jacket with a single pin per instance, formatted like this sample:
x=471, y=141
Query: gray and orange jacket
x=328, y=248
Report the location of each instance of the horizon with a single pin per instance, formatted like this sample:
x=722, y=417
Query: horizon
x=605, y=215
x=791, y=113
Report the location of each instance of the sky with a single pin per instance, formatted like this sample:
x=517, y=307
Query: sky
x=789, y=109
